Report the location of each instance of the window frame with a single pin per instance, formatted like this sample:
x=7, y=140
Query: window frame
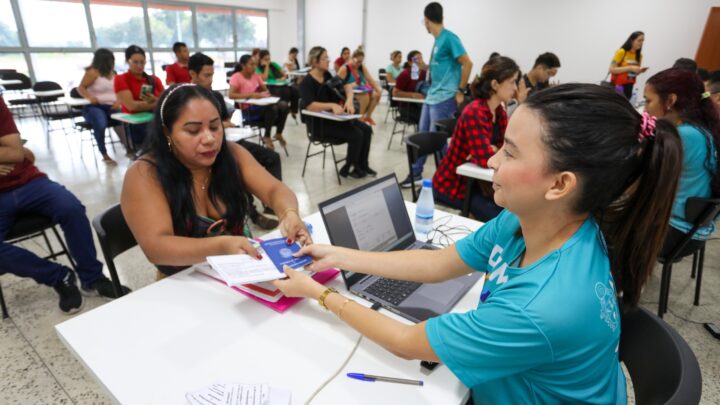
x=150, y=49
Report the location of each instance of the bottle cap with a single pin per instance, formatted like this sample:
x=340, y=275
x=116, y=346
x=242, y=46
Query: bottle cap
x=427, y=183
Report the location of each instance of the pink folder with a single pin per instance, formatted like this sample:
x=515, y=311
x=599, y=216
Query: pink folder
x=285, y=302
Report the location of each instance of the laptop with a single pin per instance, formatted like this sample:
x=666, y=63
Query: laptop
x=373, y=217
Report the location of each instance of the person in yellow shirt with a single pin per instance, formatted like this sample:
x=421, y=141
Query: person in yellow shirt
x=626, y=65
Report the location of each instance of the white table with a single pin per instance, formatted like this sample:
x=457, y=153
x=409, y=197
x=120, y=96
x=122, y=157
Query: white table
x=9, y=82
x=257, y=101
x=239, y=134
x=75, y=102
x=49, y=93
x=330, y=116
x=472, y=172
x=298, y=73
x=409, y=100
x=188, y=331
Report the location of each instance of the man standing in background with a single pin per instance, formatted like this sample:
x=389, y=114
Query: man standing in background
x=448, y=73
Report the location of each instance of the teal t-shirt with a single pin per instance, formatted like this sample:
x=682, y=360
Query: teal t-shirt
x=445, y=71
x=699, y=164
x=393, y=71
x=542, y=334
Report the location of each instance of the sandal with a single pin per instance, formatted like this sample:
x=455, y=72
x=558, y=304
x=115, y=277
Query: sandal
x=280, y=139
x=268, y=143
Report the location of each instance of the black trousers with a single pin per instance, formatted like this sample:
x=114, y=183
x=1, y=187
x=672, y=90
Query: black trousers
x=358, y=136
x=269, y=116
x=288, y=94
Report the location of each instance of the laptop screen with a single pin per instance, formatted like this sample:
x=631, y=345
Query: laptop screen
x=372, y=217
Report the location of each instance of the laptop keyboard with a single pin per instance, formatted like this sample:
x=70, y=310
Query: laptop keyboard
x=392, y=291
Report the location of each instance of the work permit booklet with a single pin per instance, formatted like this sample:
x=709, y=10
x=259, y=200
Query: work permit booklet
x=242, y=269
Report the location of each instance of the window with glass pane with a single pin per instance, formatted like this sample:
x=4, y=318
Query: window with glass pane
x=214, y=27
x=220, y=59
x=66, y=69
x=162, y=59
x=252, y=28
x=118, y=24
x=55, y=23
x=170, y=24
x=8, y=29
x=14, y=61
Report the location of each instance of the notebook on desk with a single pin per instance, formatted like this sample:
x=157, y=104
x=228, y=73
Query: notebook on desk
x=373, y=217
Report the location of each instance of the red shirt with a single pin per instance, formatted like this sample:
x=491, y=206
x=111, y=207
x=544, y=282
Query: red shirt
x=127, y=81
x=177, y=73
x=470, y=143
x=404, y=81
x=25, y=170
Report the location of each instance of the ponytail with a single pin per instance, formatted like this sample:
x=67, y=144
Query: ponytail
x=627, y=167
x=499, y=69
x=635, y=225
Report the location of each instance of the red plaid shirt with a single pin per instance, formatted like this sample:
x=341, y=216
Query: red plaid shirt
x=470, y=143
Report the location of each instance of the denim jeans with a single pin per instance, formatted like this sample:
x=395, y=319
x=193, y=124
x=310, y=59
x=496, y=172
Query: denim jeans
x=430, y=115
x=45, y=197
x=98, y=116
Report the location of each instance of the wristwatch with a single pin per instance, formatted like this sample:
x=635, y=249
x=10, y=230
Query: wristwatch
x=321, y=298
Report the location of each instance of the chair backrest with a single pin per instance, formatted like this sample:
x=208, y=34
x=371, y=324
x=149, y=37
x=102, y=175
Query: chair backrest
x=46, y=86
x=425, y=143
x=702, y=211
x=446, y=125
x=25, y=85
x=113, y=232
x=662, y=366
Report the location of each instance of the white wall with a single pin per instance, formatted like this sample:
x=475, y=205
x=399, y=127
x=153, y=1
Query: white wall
x=583, y=33
x=333, y=24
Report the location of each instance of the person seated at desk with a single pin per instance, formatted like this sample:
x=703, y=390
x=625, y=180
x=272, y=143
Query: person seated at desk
x=394, y=68
x=292, y=64
x=477, y=137
x=244, y=84
x=317, y=96
x=677, y=96
x=354, y=72
x=178, y=71
x=271, y=71
x=184, y=199
x=411, y=83
x=202, y=72
x=538, y=78
x=96, y=86
x=26, y=190
x=137, y=91
x=547, y=327
x=342, y=59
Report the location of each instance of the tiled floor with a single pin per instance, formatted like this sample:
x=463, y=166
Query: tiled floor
x=36, y=368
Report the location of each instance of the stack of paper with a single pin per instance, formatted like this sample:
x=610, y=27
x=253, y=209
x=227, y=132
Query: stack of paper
x=239, y=394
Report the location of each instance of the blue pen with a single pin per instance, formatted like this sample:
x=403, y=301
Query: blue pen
x=373, y=378
x=308, y=225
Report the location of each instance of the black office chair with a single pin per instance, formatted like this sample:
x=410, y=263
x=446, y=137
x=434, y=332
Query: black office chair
x=424, y=143
x=115, y=238
x=28, y=226
x=700, y=212
x=53, y=111
x=446, y=125
x=662, y=367
x=18, y=96
x=322, y=142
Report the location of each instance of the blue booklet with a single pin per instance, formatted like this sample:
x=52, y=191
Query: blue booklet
x=281, y=253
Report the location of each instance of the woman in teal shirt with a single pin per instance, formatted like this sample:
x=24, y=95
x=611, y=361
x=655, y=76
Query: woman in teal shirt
x=678, y=96
x=582, y=196
x=395, y=68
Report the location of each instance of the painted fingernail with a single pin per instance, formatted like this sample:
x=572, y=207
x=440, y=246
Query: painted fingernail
x=258, y=256
x=289, y=241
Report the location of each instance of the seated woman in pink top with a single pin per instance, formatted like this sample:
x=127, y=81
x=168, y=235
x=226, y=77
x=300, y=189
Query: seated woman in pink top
x=97, y=87
x=246, y=83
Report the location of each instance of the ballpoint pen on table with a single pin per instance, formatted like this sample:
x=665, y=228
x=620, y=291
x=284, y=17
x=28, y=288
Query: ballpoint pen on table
x=373, y=378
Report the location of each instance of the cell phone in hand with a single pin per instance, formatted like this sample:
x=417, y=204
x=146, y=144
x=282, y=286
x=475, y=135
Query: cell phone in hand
x=145, y=90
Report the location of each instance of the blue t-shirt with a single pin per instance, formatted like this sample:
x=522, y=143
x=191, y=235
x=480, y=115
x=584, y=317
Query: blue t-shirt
x=545, y=333
x=695, y=178
x=445, y=71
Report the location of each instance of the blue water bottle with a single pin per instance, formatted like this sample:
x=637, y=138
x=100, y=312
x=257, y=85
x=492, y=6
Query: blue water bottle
x=425, y=209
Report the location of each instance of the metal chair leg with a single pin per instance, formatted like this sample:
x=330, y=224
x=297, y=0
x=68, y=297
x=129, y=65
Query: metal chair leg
x=5, y=314
x=698, y=281
x=65, y=249
x=664, y=289
x=307, y=155
x=335, y=162
x=694, y=265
